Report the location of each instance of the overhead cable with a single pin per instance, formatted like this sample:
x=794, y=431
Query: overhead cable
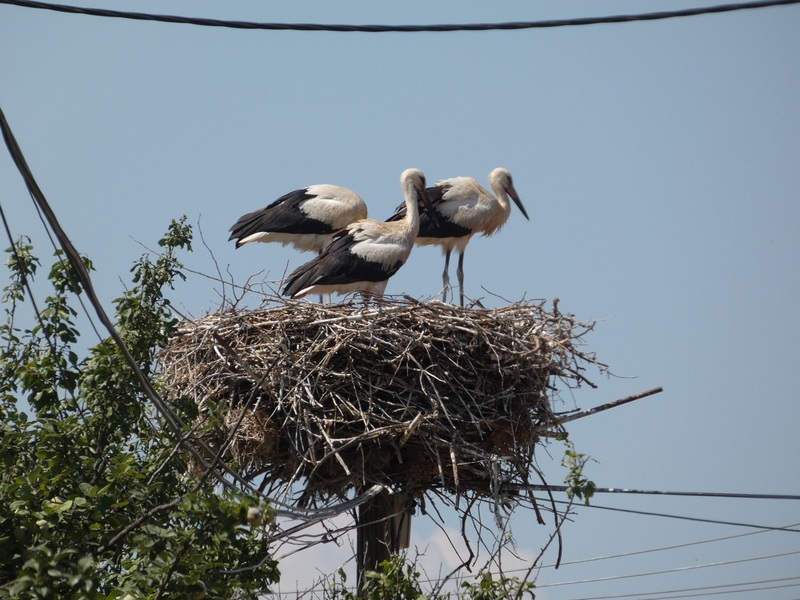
x=741, y=495
x=681, y=517
x=674, y=570
x=662, y=548
x=513, y=25
x=731, y=589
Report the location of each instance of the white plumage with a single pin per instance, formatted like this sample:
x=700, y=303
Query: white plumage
x=307, y=218
x=464, y=208
x=366, y=253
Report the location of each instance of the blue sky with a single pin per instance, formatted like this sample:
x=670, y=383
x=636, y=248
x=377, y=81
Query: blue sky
x=658, y=161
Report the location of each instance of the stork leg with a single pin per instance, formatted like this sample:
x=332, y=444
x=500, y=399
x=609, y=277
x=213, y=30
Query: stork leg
x=460, y=273
x=446, y=275
x=322, y=296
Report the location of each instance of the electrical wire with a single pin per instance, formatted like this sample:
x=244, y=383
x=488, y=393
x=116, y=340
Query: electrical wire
x=685, y=518
x=594, y=596
x=514, y=25
x=633, y=553
x=511, y=572
x=674, y=570
x=742, y=495
x=702, y=589
x=706, y=594
x=660, y=548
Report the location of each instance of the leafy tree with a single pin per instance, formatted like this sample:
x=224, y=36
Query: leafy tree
x=399, y=579
x=95, y=499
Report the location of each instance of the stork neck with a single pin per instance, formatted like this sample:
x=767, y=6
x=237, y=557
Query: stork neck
x=412, y=209
x=503, y=199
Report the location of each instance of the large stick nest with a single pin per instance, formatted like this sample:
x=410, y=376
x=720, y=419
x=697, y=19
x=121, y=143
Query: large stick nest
x=406, y=394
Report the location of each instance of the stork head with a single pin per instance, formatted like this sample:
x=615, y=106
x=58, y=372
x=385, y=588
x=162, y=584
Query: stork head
x=500, y=180
x=412, y=177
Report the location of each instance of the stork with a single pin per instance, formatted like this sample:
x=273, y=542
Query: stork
x=366, y=253
x=464, y=208
x=307, y=218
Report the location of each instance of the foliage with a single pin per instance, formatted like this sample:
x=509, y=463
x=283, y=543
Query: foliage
x=396, y=580
x=489, y=588
x=95, y=500
x=399, y=579
x=578, y=485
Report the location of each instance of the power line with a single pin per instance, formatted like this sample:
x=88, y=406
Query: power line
x=741, y=495
x=662, y=548
x=705, y=589
x=665, y=571
x=706, y=594
x=561, y=488
x=681, y=517
x=514, y=25
x=646, y=551
x=651, y=573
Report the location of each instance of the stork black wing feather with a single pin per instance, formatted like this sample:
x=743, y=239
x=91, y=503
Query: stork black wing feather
x=337, y=265
x=427, y=228
x=284, y=215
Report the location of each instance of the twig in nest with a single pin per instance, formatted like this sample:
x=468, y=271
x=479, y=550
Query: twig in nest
x=410, y=396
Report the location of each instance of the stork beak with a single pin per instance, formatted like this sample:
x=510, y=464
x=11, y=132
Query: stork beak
x=423, y=195
x=513, y=193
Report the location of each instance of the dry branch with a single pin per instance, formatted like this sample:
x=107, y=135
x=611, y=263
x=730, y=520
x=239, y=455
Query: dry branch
x=409, y=395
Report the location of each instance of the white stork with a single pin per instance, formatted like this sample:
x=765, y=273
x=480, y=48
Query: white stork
x=366, y=253
x=464, y=208
x=307, y=218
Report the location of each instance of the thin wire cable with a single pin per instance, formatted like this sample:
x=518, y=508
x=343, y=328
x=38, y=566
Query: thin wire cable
x=742, y=495
x=659, y=594
x=704, y=595
x=662, y=548
x=703, y=588
x=684, y=518
x=625, y=554
x=674, y=570
x=761, y=529
x=514, y=25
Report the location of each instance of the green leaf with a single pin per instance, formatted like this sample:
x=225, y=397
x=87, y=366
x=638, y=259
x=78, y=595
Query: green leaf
x=86, y=471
